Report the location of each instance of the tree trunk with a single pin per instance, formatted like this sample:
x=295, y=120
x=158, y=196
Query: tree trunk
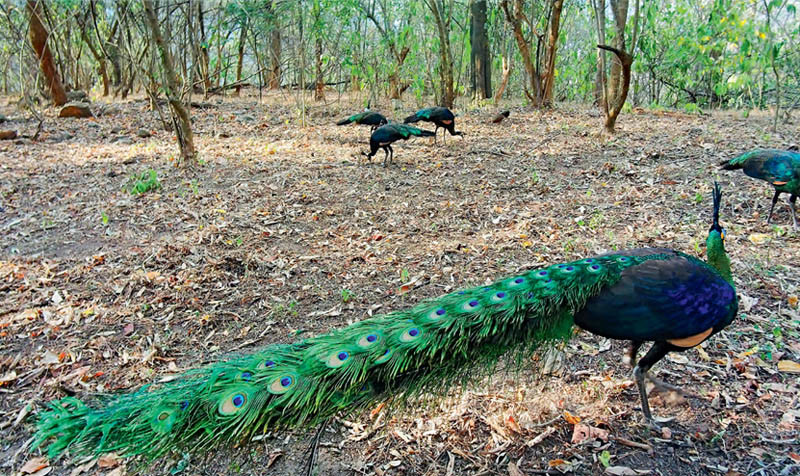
x=600, y=76
x=180, y=114
x=616, y=102
x=205, y=74
x=504, y=80
x=240, y=54
x=319, y=87
x=275, y=53
x=445, y=62
x=98, y=56
x=38, y=37
x=548, y=75
x=515, y=19
x=481, y=62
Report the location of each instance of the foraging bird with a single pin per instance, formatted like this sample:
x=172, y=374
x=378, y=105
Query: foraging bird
x=648, y=294
x=367, y=118
x=781, y=168
x=441, y=116
x=383, y=137
x=500, y=116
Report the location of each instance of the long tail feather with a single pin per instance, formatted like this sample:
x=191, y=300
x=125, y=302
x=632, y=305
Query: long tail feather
x=344, y=122
x=429, y=346
x=411, y=118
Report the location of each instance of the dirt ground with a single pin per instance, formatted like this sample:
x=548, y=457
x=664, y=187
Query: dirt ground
x=284, y=230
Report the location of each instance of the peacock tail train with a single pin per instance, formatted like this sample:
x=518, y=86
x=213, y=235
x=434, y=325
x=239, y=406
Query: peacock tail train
x=436, y=343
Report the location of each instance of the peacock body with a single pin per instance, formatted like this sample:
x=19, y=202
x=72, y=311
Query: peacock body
x=640, y=295
x=384, y=136
x=440, y=116
x=781, y=168
x=367, y=118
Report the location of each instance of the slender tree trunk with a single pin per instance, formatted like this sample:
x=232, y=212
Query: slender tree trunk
x=275, y=50
x=445, y=61
x=503, y=80
x=600, y=77
x=319, y=80
x=180, y=114
x=204, y=60
x=514, y=17
x=481, y=61
x=38, y=36
x=548, y=75
x=240, y=54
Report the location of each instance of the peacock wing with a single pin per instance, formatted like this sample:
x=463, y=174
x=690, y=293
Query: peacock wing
x=661, y=300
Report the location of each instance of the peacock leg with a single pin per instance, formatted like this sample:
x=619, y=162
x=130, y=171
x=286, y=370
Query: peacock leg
x=656, y=353
x=386, y=157
x=774, y=201
x=312, y=457
x=391, y=154
x=793, y=206
x=630, y=357
x=435, y=131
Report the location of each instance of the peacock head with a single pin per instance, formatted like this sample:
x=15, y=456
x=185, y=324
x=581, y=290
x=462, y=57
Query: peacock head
x=715, y=243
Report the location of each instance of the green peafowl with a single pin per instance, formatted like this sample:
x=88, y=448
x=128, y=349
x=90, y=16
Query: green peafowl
x=440, y=116
x=383, y=137
x=781, y=168
x=367, y=118
x=649, y=294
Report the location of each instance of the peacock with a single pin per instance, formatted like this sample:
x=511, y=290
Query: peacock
x=781, y=168
x=367, y=118
x=500, y=116
x=383, y=137
x=647, y=294
x=440, y=116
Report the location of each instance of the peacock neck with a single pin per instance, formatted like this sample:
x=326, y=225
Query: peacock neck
x=717, y=258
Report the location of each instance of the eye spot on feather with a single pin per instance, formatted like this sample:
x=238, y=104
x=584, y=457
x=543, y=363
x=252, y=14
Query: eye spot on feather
x=562, y=266
x=519, y=280
x=372, y=338
x=542, y=273
x=568, y=269
x=184, y=404
x=232, y=403
x=589, y=260
x=268, y=364
x=411, y=334
x=337, y=359
x=622, y=259
x=471, y=305
x=498, y=297
x=163, y=416
x=594, y=268
x=282, y=384
x=238, y=400
x=385, y=357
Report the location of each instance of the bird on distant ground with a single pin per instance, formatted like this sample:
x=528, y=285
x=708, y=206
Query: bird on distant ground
x=441, y=116
x=781, y=168
x=500, y=116
x=367, y=118
x=383, y=137
x=646, y=294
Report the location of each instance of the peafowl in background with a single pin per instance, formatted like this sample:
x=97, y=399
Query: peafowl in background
x=649, y=294
x=383, y=137
x=781, y=168
x=367, y=118
x=440, y=116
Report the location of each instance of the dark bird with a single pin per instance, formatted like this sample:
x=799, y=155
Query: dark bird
x=383, y=137
x=499, y=117
x=781, y=168
x=648, y=294
x=441, y=116
x=367, y=118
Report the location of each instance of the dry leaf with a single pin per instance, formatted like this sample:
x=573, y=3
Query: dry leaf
x=582, y=432
x=556, y=462
x=571, y=419
x=789, y=367
x=513, y=470
x=759, y=238
x=792, y=300
x=625, y=471
x=34, y=464
x=108, y=460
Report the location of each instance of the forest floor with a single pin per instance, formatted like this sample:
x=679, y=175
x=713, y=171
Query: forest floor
x=283, y=229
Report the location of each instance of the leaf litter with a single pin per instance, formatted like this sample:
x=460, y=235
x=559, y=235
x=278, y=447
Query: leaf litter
x=284, y=232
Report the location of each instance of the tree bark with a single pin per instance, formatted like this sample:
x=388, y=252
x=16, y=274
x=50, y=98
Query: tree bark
x=240, y=54
x=549, y=71
x=275, y=51
x=481, y=61
x=180, y=114
x=204, y=59
x=616, y=102
x=38, y=36
x=396, y=86
x=319, y=80
x=504, y=80
x=445, y=62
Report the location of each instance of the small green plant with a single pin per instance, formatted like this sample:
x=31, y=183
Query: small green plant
x=627, y=108
x=692, y=108
x=698, y=198
x=104, y=217
x=143, y=183
x=404, y=275
x=346, y=295
x=604, y=458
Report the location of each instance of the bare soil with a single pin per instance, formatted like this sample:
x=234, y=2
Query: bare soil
x=284, y=229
